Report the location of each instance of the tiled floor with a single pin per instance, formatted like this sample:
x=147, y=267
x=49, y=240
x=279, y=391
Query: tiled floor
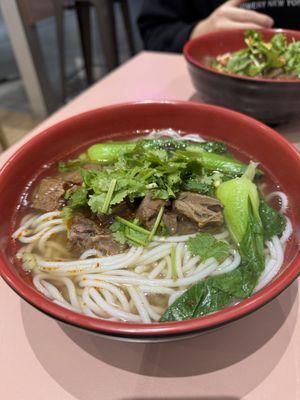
x=14, y=125
x=15, y=116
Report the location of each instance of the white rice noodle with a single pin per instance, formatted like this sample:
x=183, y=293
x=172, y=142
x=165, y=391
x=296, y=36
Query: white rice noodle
x=178, y=259
x=283, y=200
x=90, y=253
x=48, y=234
x=273, y=265
x=230, y=264
x=158, y=269
x=134, y=286
x=139, y=304
x=111, y=310
x=156, y=289
x=173, y=239
x=153, y=314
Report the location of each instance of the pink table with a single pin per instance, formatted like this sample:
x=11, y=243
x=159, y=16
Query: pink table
x=256, y=358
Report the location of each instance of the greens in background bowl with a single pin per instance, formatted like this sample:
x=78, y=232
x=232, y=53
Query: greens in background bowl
x=261, y=80
x=274, y=59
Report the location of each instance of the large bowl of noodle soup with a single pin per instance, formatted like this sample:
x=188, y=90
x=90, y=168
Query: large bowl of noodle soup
x=103, y=304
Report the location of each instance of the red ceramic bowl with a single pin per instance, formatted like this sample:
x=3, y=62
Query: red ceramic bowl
x=253, y=139
x=271, y=101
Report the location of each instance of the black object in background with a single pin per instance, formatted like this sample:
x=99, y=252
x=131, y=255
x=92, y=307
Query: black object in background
x=166, y=25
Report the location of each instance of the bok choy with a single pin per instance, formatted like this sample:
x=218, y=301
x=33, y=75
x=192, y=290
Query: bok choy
x=242, y=211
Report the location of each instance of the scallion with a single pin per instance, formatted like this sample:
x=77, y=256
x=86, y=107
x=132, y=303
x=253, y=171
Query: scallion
x=135, y=240
x=156, y=224
x=133, y=226
x=173, y=263
x=108, y=196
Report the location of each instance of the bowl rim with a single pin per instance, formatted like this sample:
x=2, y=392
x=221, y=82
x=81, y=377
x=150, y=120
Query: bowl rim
x=141, y=330
x=215, y=35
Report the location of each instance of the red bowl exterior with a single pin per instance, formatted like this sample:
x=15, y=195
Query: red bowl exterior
x=269, y=100
x=257, y=141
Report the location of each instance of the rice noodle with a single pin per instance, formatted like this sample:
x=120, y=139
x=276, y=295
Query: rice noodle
x=134, y=286
x=283, y=200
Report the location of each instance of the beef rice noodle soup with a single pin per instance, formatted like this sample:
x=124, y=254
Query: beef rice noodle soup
x=164, y=228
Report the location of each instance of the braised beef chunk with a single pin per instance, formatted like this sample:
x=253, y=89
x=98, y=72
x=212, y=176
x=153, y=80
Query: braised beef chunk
x=72, y=177
x=125, y=210
x=49, y=194
x=203, y=210
x=148, y=209
x=170, y=221
x=85, y=234
x=185, y=226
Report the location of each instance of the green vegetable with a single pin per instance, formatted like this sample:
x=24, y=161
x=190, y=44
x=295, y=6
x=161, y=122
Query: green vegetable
x=263, y=58
x=133, y=226
x=214, y=147
x=206, y=182
x=128, y=232
x=131, y=170
x=173, y=263
x=75, y=199
x=273, y=222
x=173, y=145
x=198, y=300
x=67, y=213
x=108, y=196
x=125, y=231
x=196, y=185
x=130, y=183
x=108, y=152
x=217, y=292
x=241, y=203
x=78, y=198
x=73, y=164
x=253, y=222
x=206, y=246
x=212, y=153
x=156, y=224
x=213, y=161
x=235, y=196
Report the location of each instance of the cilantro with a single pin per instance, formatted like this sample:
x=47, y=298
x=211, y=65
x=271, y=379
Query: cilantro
x=67, y=213
x=78, y=198
x=125, y=234
x=206, y=183
x=66, y=166
x=196, y=185
x=75, y=199
x=161, y=166
x=206, y=246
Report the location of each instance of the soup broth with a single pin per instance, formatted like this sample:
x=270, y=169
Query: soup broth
x=163, y=228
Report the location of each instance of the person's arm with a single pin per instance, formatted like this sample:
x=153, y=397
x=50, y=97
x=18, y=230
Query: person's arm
x=230, y=16
x=166, y=25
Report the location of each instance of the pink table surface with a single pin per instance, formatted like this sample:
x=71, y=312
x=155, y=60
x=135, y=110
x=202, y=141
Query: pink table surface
x=256, y=358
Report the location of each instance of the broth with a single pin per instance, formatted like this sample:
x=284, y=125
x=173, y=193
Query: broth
x=120, y=265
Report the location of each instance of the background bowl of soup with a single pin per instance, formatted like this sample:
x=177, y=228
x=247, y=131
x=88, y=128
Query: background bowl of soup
x=272, y=101
x=248, y=138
